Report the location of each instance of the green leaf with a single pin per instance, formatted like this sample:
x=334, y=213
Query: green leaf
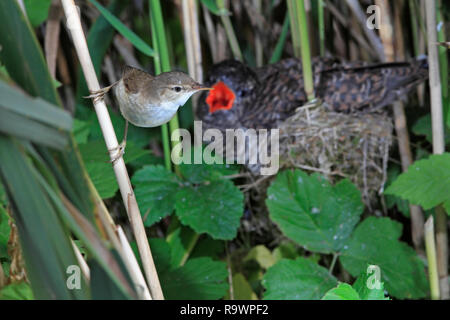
x=81, y=131
x=198, y=173
x=99, y=40
x=214, y=208
x=261, y=255
x=37, y=11
x=426, y=183
x=32, y=119
x=423, y=128
x=5, y=230
x=140, y=44
x=242, y=290
x=375, y=242
x=343, y=291
x=213, y=8
x=393, y=201
x=155, y=190
x=16, y=291
x=286, y=250
x=299, y=279
x=198, y=279
x=103, y=178
x=100, y=169
x=313, y=213
x=207, y=247
x=368, y=287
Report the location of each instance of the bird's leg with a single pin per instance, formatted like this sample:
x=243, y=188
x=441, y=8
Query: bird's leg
x=121, y=147
x=99, y=94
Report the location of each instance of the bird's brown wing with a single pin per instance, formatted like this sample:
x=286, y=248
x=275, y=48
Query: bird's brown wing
x=352, y=87
x=135, y=79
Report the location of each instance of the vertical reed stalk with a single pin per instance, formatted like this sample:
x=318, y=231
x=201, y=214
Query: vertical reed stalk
x=437, y=118
x=321, y=22
x=300, y=38
x=159, y=33
x=232, y=40
x=431, y=258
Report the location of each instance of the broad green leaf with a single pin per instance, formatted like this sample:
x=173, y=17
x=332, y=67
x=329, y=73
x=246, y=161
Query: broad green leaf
x=140, y=44
x=261, y=255
x=155, y=190
x=285, y=250
x=242, y=290
x=426, y=183
x=162, y=254
x=16, y=291
x=99, y=167
x=375, y=242
x=299, y=279
x=423, y=127
x=81, y=131
x=37, y=11
x=199, y=279
x=103, y=178
x=368, y=287
x=394, y=201
x=215, y=208
x=208, y=247
x=198, y=173
x=181, y=239
x=343, y=291
x=5, y=230
x=313, y=213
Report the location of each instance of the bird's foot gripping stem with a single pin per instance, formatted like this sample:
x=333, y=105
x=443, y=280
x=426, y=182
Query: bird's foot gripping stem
x=119, y=152
x=99, y=94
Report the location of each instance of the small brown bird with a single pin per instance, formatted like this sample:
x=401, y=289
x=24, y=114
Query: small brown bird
x=148, y=101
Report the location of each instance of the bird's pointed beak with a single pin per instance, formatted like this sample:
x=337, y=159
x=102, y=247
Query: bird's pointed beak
x=200, y=87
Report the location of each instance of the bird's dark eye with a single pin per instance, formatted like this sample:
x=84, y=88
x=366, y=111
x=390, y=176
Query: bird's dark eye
x=176, y=89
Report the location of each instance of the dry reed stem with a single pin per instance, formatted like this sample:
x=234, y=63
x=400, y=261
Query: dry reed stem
x=123, y=180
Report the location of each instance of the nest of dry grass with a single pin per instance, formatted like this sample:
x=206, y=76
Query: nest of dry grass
x=353, y=146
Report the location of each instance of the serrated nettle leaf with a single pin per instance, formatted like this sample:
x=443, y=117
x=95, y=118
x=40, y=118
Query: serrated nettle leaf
x=369, y=286
x=391, y=201
x=200, y=278
x=313, y=213
x=343, y=291
x=155, y=190
x=426, y=183
x=103, y=178
x=214, y=208
x=375, y=242
x=299, y=279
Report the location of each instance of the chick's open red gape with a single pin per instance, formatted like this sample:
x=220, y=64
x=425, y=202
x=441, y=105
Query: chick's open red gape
x=220, y=98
